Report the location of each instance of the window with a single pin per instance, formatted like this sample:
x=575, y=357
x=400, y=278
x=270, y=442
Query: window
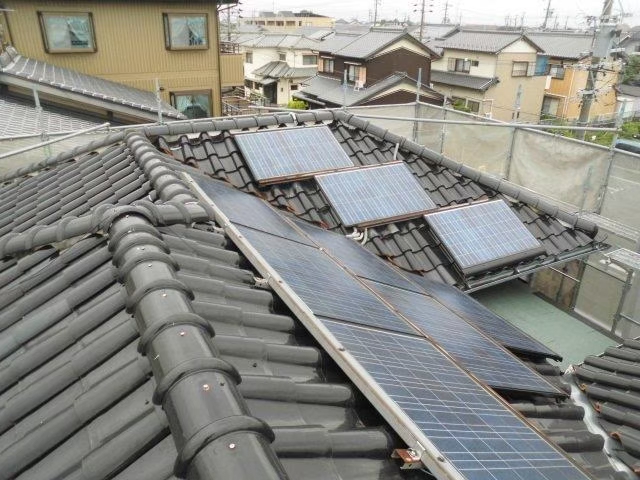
x=248, y=57
x=294, y=87
x=353, y=73
x=550, y=106
x=520, y=69
x=459, y=65
x=67, y=32
x=327, y=65
x=193, y=104
x=556, y=71
x=473, y=106
x=309, y=59
x=282, y=57
x=184, y=31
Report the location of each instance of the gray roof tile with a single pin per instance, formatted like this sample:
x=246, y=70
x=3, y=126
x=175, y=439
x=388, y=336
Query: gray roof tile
x=277, y=69
x=43, y=73
x=18, y=117
x=462, y=80
x=480, y=41
x=571, y=46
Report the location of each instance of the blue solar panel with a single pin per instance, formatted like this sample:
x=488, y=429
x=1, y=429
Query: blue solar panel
x=325, y=287
x=487, y=360
x=276, y=155
x=248, y=210
x=483, y=318
x=484, y=236
x=355, y=257
x=377, y=194
x=474, y=431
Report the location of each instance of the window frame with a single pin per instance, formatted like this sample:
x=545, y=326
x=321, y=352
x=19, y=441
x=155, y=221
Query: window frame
x=209, y=93
x=167, y=30
x=282, y=57
x=306, y=55
x=45, y=38
x=557, y=71
x=327, y=61
x=460, y=65
x=248, y=57
x=519, y=73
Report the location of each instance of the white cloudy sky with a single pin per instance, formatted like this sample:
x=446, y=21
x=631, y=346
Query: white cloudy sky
x=471, y=11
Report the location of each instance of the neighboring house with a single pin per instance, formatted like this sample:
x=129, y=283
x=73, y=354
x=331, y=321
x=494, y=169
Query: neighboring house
x=629, y=100
x=630, y=41
x=275, y=64
x=379, y=67
x=491, y=73
x=145, y=339
x=135, y=43
x=75, y=91
x=569, y=58
x=288, y=21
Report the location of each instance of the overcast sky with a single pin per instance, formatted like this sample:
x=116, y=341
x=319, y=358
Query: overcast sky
x=572, y=12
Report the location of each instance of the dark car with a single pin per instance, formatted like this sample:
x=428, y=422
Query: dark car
x=628, y=145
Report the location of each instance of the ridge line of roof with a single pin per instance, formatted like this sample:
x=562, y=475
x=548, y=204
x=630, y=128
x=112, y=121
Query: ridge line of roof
x=499, y=185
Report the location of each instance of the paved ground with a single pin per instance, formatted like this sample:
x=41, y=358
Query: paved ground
x=561, y=332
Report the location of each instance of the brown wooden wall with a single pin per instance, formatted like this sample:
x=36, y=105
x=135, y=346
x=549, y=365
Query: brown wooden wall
x=130, y=44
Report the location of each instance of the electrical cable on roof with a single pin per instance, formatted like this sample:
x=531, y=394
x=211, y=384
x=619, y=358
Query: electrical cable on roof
x=365, y=236
x=354, y=234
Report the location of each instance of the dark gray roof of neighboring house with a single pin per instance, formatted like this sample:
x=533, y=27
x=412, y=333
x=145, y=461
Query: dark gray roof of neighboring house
x=631, y=90
x=124, y=326
x=432, y=31
x=570, y=46
x=278, y=69
x=324, y=90
x=337, y=41
x=66, y=80
x=611, y=381
x=368, y=44
x=19, y=117
x=276, y=40
x=483, y=41
x=462, y=80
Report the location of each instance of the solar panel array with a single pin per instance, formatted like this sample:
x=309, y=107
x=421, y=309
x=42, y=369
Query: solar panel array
x=365, y=264
x=484, y=236
x=476, y=433
x=289, y=153
x=491, y=324
x=325, y=287
x=373, y=194
x=485, y=359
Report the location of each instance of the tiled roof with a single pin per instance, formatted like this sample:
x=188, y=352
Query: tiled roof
x=328, y=90
x=66, y=80
x=267, y=40
x=462, y=80
x=482, y=41
x=278, y=69
x=570, y=45
x=21, y=118
x=611, y=381
x=631, y=90
x=135, y=341
x=337, y=41
x=407, y=244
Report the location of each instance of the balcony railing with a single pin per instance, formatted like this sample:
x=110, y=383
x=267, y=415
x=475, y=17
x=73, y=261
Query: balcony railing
x=229, y=48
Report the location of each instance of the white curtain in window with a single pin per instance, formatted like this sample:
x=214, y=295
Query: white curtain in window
x=79, y=33
x=67, y=32
x=188, y=31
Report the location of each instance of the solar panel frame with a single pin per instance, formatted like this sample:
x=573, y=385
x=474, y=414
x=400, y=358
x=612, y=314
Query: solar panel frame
x=475, y=432
x=480, y=355
x=377, y=194
x=284, y=154
x=304, y=267
x=483, y=236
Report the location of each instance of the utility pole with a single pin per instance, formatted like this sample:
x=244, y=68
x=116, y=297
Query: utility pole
x=229, y=24
x=445, y=18
x=422, y=20
x=375, y=11
x=588, y=93
x=547, y=14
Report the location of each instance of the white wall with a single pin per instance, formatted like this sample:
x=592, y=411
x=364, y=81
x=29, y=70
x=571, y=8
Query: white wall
x=486, y=62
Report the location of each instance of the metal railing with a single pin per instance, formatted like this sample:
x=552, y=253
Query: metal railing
x=229, y=48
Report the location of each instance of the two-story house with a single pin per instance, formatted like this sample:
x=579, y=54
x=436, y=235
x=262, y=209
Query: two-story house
x=138, y=43
x=377, y=67
x=569, y=57
x=491, y=73
x=275, y=64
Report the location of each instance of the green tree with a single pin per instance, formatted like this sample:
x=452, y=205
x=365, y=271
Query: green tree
x=297, y=104
x=631, y=70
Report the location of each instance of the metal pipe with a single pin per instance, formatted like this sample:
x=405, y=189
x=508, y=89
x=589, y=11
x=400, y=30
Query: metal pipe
x=565, y=274
x=490, y=124
x=625, y=289
x=49, y=142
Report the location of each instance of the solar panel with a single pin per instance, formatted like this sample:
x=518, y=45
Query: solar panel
x=248, y=210
x=325, y=287
x=474, y=431
x=484, y=236
x=355, y=257
x=377, y=194
x=491, y=324
x=277, y=155
x=485, y=359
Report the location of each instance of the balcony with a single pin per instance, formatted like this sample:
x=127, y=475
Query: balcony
x=231, y=65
